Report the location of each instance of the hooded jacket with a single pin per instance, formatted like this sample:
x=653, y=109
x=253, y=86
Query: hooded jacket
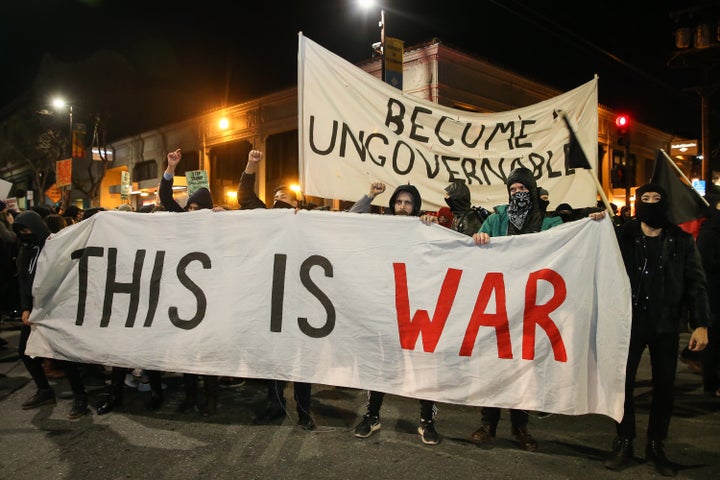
x=417, y=199
x=29, y=252
x=498, y=224
x=466, y=218
x=201, y=196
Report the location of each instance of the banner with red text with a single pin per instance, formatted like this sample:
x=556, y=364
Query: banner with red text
x=355, y=129
x=536, y=322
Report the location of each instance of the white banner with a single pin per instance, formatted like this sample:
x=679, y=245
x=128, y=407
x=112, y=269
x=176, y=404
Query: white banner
x=355, y=129
x=538, y=321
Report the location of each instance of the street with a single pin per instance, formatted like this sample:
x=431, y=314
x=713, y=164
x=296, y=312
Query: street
x=135, y=443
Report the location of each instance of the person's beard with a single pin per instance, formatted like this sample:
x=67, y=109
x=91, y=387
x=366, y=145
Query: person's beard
x=402, y=212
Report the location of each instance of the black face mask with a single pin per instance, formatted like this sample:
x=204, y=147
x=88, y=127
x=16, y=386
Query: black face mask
x=455, y=204
x=653, y=214
x=281, y=204
x=28, y=238
x=543, y=204
x=566, y=217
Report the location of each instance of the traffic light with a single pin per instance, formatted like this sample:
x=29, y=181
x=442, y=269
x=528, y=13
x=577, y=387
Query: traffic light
x=622, y=123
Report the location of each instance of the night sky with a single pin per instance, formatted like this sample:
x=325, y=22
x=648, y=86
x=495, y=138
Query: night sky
x=141, y=64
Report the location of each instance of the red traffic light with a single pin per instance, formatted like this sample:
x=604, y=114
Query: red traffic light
x=622, y=121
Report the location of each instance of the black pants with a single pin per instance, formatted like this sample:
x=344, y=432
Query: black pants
x=375, y=400
x=663, y=360
x=518, y=418
x=35, y=368
x=302, y=392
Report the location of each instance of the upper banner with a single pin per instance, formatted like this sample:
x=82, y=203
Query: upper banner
x=355, y=129
x=364, y=301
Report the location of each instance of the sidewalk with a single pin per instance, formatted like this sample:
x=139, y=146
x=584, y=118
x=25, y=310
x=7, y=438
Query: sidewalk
x=135, y=443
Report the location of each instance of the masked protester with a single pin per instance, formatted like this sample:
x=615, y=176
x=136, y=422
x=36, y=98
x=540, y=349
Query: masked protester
x=666, y=276
x=32, y=231
x=521, y=215
x=199, y=200
x=283, y=197
x=467, y=219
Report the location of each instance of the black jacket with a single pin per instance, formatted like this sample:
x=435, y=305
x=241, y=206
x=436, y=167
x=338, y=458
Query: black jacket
x=678, y=282
x=29, y=253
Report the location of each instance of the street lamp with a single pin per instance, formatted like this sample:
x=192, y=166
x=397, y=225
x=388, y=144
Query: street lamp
x=60, y=104
x=378, y=48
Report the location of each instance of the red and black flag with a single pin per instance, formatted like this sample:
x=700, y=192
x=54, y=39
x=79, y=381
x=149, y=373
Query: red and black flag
x=687, y=207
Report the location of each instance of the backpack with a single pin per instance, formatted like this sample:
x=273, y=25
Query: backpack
x=469, y=222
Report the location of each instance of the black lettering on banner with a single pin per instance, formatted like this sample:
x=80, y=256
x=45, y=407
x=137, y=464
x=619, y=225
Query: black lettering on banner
x=278, y=292
x=84, y=254
x=395, y=119
x=305, y=327
x=431, y=172
x=417, y=126
x=410, y=161
x=193, y=287
x=480, y=170
x=112, y=287
x=380, y=158
x=330, y=147
x=466, y=131
x=155, y=278
x=447, y=142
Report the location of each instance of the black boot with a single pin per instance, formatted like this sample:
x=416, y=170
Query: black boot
x=655, y=454
x=622, y=454
x=114, y=400
x=111, y=403
x=79, y=408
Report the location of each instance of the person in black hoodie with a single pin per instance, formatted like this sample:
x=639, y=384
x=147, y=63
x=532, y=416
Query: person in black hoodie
x=666, y=276
x=200, y=199
x=283, y=197
x=405, y=200
x=32, y=231
x=466, y=218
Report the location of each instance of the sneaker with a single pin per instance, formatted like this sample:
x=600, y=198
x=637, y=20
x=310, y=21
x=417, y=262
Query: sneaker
x=231, y=382
x=427, y=430
x=369, y=425
x=130, y=381
x=79, y=408
x=44, y=396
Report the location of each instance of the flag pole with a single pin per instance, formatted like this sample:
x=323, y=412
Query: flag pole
x=689, y=183
x=598, y=187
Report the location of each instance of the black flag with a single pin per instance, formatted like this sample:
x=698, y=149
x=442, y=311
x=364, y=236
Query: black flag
x=574, y=155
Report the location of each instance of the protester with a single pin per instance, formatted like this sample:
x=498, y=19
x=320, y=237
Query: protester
x=283, y=197
x=32, y=231
x=405, y=200
x=520, y=216
x=465, y=217
x=666, y=275
x=200, y=199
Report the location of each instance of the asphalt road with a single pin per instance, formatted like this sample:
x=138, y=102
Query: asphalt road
x=136, y=443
